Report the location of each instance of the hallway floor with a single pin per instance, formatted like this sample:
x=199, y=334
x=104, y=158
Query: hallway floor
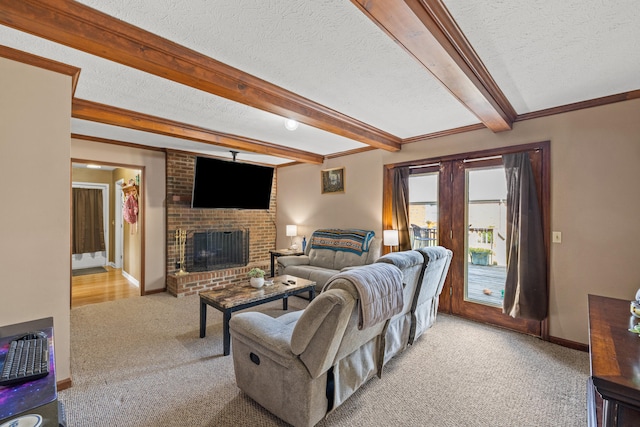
x=101, y=287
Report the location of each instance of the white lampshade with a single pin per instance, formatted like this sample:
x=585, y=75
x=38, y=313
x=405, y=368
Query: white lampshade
x=292, y=230
x=390, y=237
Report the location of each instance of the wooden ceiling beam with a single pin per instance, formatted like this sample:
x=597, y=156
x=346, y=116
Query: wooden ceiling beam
x=100, y=113
x=426, y=30
x=78, y=26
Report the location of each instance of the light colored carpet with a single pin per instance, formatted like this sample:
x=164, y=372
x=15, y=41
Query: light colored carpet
x=140, y=362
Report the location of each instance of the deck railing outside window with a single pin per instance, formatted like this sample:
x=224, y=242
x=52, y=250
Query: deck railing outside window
x=423, y=236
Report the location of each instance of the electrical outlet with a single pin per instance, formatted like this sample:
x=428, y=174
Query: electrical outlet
x=557, y=237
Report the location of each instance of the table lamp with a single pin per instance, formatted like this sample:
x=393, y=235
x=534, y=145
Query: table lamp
x=292, y=231
x=390, y=238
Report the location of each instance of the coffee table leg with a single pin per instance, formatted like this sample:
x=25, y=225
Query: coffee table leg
x=203, y=319
x=285, y=303
x=226, y=316
x=312, y=294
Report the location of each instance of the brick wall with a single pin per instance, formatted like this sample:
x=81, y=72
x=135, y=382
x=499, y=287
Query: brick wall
x=180, y=215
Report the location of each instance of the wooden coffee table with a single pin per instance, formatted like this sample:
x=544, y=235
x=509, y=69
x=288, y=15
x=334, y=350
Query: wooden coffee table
x=239, y=297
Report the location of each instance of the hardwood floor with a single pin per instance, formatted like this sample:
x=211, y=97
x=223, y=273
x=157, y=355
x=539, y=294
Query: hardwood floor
x=101, y=287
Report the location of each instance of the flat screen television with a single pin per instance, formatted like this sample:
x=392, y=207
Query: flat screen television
x=220, y=184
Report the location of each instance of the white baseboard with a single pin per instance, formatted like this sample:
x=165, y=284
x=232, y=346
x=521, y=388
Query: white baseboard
x=131, y=279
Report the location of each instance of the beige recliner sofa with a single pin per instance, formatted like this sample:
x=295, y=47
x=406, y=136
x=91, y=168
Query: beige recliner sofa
x=319, y=265
x=425, y=305
x=424, y=273
x=303, y=365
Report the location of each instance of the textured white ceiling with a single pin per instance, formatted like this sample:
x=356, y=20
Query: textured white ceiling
x=327, y=51
x=84, y=127
x=542, y=54
x=548, y=53
x=110, y=83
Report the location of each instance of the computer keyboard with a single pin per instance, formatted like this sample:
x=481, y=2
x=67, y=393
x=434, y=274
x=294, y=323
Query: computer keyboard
x=26, y=360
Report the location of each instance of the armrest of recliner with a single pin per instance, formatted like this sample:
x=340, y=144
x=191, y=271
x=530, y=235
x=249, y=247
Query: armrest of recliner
x=289, y=260
x=270, y=336
x=350, y=268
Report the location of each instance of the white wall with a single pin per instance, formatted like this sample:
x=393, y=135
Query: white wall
x=595, y=158
x=35, y=111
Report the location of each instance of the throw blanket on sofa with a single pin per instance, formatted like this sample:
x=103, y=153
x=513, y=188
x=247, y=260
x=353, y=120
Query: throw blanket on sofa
x=356, y=241
x=380, y=291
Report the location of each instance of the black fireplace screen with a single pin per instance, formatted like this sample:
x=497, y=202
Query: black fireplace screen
x=214, y=250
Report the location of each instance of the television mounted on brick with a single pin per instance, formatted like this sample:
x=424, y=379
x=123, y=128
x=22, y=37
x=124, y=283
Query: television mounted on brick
x=221, y=184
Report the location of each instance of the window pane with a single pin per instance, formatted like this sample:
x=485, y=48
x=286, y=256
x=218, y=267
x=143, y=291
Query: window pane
x=423, y=209
x=486, y=221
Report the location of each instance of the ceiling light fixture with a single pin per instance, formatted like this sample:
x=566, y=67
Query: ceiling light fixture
x=290, y=124
x=94, y=166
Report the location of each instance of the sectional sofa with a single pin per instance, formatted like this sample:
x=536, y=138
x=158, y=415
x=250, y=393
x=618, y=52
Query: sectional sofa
x=320, y=261
x=303, y=365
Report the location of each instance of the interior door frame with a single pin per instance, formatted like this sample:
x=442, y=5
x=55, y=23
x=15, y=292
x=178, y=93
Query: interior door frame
x=141, y=214
x=119, y=229
x=445, y=234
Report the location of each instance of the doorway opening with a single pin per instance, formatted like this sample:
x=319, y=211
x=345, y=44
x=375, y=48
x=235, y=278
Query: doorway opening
x=121, y=272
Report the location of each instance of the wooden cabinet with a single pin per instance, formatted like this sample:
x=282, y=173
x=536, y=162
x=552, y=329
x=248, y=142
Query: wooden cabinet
x=614, y=353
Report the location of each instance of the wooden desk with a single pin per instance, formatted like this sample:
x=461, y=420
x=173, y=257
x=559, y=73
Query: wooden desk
x=615, y=363
x=39, y=397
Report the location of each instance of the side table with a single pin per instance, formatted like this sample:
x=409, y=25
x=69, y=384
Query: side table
x=281, y=252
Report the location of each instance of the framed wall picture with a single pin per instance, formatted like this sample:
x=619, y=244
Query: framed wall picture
x=332, y=180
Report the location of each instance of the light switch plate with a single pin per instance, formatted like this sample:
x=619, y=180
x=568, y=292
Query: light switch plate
x=557, y=237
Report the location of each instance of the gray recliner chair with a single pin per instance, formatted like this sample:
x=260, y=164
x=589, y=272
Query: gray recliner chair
x=424, y=310
x=304, y=364
x=424, y=272
x=411, y=263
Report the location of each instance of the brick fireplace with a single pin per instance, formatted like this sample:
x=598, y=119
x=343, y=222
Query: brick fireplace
x=216, y=249
x=259, y=226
